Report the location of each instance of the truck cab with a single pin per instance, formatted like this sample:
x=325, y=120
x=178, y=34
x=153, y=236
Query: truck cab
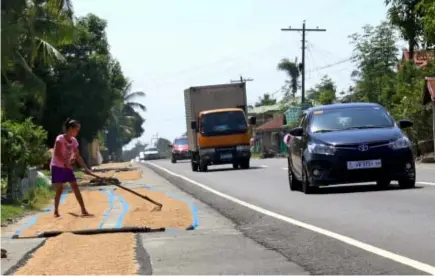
x=218, y=131
x=223, y=137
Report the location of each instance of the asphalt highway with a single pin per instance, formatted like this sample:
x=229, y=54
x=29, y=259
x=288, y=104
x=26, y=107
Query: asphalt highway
x=399, y=222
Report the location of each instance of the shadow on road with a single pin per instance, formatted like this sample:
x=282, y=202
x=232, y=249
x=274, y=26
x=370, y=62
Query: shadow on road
x=231, y=169
x=359, y=189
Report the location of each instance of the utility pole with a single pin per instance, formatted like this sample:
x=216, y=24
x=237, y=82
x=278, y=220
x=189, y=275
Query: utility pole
x=303, y=30
x=241, y=80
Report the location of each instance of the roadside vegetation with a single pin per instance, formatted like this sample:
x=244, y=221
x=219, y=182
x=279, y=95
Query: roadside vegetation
x=56, y=65
x=383, y=72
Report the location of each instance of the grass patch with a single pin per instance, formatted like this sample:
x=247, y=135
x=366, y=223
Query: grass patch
x=11, y=211
x=255, y=155
x=33, y=200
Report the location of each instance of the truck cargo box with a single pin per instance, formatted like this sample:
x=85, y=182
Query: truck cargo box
x=200, y=98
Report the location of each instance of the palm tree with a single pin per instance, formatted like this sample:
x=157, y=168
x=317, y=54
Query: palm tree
x=31, y=31
x=125, y=123
x=293, y=71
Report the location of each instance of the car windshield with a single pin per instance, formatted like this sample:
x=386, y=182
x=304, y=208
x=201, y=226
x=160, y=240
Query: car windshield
x=150, y=149
x=181, y=142
x=350, y=118
x=219, y=123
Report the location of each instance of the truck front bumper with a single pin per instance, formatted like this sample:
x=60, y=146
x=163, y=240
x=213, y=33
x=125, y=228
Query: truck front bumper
x=225, y=155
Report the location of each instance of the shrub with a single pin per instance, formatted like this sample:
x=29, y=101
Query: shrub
x=23, y=145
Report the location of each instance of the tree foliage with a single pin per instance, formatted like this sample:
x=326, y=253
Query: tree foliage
x=23, y=145
x=56, y=66
x=324, y=92
x=266, y=99
x=293, y=71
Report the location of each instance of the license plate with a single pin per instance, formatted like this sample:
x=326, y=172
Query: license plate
x=367, y=164
x=226, y=156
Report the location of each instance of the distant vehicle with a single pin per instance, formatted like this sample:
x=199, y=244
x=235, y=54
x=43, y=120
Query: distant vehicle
x=349, y=143
x=217, y=127
x=151, y=154
x=180, y=149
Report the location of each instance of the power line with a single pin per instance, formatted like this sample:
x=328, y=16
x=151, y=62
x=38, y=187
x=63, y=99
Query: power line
x=304, y=30
x=331, y=65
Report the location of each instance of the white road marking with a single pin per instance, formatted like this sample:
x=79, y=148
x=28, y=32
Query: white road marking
x=367, y=247
x=284, y=168
x=426, y=183
x=263, y=166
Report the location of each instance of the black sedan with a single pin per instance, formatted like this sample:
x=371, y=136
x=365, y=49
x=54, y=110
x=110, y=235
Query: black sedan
x=349, y=143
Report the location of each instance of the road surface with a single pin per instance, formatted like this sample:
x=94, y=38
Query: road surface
x=399, y=223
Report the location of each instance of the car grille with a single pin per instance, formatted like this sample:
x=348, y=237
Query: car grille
x=372, y=145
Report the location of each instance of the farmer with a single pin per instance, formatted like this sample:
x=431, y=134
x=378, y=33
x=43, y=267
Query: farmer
x=65, y=151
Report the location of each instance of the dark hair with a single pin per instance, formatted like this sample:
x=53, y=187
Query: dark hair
x=70, y=123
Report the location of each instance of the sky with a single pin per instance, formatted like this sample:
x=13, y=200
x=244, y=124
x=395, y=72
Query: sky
x=166, y=46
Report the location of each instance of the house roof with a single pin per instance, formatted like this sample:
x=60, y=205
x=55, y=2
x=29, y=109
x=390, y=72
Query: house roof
x=429, y=90
x=420, y=58
x=272, y=124
x=264, y=108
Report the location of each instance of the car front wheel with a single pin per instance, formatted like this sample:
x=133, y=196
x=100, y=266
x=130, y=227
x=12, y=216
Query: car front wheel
x=407, y=183
x=294, y=183
x=306, y=187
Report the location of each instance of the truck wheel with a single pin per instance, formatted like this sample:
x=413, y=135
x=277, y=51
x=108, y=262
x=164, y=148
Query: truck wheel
x=202, y=165
x=173, y=160
x=244, y=164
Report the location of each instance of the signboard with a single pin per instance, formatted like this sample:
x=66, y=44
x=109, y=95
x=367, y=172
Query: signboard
x=293, y=113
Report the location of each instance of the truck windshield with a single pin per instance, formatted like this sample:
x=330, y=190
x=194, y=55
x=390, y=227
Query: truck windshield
x=221, y=123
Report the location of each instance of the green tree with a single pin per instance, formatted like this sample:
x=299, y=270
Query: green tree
x=23, y=145
x=375, y=55
x=405, y=15
x=324, y=92
x=266, y=99
x=293, y=71
x=427, y=8
x=125, y=122
x=87, y=86
x=31, y=31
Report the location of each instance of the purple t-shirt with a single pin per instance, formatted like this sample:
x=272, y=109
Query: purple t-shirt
x=67, y=149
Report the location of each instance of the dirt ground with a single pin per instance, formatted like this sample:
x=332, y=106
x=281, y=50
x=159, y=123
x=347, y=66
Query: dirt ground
x=70, y=215
x=69, y=254
x=174, y=214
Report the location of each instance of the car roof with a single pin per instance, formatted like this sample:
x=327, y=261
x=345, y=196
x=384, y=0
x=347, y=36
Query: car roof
x=341, y=105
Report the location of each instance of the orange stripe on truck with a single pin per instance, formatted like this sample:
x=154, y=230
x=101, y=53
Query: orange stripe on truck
x=223, y=140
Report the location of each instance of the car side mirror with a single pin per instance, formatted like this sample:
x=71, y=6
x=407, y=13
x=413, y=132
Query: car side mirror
x=253, y=121
x=193, y=125
x=405, y=123
x=296, y=131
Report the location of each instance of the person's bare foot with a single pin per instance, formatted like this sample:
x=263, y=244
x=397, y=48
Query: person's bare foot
x=56, y=214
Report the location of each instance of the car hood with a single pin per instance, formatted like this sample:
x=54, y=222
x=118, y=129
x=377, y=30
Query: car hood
x=151, y=152
x=357, y=136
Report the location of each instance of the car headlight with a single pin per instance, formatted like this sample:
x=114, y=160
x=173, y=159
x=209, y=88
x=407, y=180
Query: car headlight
x=208, y=150
x=401, y=143
x=321, y=149
x=243, y=148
